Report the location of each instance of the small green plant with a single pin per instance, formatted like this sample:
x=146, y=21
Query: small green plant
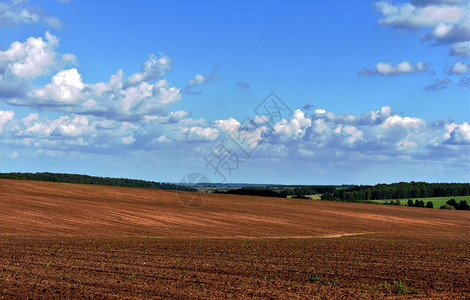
x=183, y=272
x=402, y=288
x=131, y=277
x=333, y=281
x=47, y=264
x=267, y=277
x=387, y=287
x=313, y=278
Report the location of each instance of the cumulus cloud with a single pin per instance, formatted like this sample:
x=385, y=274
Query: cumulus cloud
x=201, y=80
x=32, y=58
x=228, y=125
x=461, y=49
x=389, y=69
x=135, y=113
x=171, y=118
x=373, y=135
x=68, y=133
x=152, y=69
x=439, y=84
x=426, y=15
x=461, y=133
x=65, y=87
x=200, y=133
x=143, y=94
x=16, y=12
x=459, y=68
x=5, y=117
x=22, y=62
x=447, y=22
x=295, y=127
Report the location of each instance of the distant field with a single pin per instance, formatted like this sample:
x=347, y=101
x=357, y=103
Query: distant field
x=312, y=197
x=437, y=201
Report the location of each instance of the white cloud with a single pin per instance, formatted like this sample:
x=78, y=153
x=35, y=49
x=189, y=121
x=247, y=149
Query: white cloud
x=320, y=126
x=228, y=125
x=116, y=99
x=144, y=96
x=459, y=68
x=70, y=133
x=372, y=135
x=152, y=69
x=22, y=62
x=33, y=58
x=28, y=120
x=354, y=133
x=305, y=152
x=201, y=80
x=14, y=12
x=447, y=21
x=198, y=133
x=65, y=87
x=389, y=69
x=338, y=129
x=198, y=79
x=73, y=127
x=461, y=49
x=460, y=134
x=5, y=117
x=375, y=135
x=127, y=140
x=408, y=15
x=172, y=117
x=295, y=127
x=406, y=122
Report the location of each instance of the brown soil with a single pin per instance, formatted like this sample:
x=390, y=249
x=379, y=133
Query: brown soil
x=81, y=241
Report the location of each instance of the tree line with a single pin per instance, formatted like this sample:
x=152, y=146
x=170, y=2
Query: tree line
x=450, y=204
x=282, y=191
x=86, y=179
x=253, y=191
x=304, y=189
x=401, y=190
x=453, y=204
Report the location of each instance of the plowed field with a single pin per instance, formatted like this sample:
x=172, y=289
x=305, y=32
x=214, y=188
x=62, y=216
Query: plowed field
x=82, y=241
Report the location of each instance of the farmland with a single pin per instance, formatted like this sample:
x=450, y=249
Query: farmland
x=84, y=241
x=437, y=201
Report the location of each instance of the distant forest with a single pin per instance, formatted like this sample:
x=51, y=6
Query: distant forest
x=252, y=191
x=86, y=179
x=350, y=193
x=402, y=190
x=281, y=191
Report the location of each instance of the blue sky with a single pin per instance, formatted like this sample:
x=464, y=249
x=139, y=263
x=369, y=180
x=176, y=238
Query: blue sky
x=376, y=91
